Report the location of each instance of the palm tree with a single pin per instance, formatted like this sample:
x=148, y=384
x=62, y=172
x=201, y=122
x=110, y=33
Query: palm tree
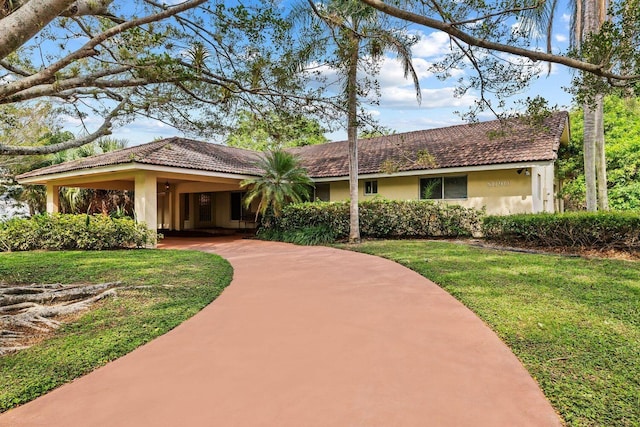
x=588, y=18
x=359, y=30
x=283, y=181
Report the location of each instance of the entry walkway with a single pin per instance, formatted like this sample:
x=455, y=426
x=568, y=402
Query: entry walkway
x=308, y=336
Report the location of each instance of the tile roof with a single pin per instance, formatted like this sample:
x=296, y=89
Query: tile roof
x=484, y=143
x=172, y=152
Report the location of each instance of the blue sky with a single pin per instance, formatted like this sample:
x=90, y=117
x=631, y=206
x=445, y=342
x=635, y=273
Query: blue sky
x=398, y=109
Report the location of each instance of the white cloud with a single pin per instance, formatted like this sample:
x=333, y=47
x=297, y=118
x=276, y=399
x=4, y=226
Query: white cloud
x=145, y=130
x=72, y=121
x=561, y=38
x=391, y=72
x=433, y=45
x=423, y=122
x=566, y=17
x=431, y=98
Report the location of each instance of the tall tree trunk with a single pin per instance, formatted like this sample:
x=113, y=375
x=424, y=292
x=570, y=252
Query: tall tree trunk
x=591, y=24
x=601, y=161
x=352, y=136
x=589, y=156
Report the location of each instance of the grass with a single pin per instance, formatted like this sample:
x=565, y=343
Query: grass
x=573, y=322
x=171, y=286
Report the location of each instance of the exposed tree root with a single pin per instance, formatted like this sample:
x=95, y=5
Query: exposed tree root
x=26, y=311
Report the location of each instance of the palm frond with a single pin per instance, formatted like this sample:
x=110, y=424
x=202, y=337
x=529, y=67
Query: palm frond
x=283, y=181
x=401, y=46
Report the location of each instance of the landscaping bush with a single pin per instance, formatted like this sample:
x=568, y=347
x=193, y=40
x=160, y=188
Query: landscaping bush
x=604, y=230
x=316, y=235
x=378, y=218
x=63, y=232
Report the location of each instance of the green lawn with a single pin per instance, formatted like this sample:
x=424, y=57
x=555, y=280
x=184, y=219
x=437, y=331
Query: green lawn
x=573, y=322
x=165, y=288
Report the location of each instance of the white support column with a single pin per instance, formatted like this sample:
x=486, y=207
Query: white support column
x=53, y=198
x=146, y=199
x=549, y=193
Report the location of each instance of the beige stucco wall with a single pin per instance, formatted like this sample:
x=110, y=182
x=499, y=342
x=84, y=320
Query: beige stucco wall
x=542, y=188
x=397, y=188
x=500, y=191
x=223, y=211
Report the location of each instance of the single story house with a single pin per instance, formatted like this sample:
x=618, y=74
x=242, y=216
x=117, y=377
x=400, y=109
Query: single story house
x=505, y=166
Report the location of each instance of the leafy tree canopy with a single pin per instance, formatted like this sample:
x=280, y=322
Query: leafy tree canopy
x=192, y=65
x=622, y=135
x=273, y=130
x=38, y=127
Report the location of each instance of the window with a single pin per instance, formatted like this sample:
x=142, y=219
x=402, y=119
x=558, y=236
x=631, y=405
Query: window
x=431, y=188
x=204, y=207
x=238, y=211
x=322, y=193
x=454, y=187
x=370, y=187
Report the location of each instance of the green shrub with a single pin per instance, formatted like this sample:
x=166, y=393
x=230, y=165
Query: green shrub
x=378, y=218
x=315, y=235
x=603, y=230
x=63, y=232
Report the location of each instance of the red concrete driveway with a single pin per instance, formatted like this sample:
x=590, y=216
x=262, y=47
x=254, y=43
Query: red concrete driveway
x=308, y=336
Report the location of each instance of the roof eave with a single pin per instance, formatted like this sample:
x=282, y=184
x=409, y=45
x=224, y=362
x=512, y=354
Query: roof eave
x=127, y=167
x=439, y=171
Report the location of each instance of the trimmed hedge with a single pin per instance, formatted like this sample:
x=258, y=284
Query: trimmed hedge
x=604, y=230
x=378, y=218
x=316, y=235
x=64, y=232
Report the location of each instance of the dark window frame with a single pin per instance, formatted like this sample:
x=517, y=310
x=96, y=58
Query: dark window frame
x=323, y=187
x=444, y=182
x=238, y=210
x=435, y=188
x=373, y=187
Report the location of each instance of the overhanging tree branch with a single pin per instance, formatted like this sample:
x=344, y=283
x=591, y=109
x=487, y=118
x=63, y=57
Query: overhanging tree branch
x=89, y=48
x=103, y=130
x=451, y=28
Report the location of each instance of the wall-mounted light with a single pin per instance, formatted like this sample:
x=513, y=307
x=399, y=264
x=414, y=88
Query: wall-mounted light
x=167, y=186
x=525, y=170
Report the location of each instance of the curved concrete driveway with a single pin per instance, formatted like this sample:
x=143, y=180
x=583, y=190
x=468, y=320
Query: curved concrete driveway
x=308, y=336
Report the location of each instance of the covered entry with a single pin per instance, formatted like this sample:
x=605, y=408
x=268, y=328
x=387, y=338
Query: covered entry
x=178, y=184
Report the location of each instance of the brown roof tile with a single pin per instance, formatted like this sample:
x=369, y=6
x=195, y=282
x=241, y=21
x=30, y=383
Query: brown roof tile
x=173, y=152
x=485, y=143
